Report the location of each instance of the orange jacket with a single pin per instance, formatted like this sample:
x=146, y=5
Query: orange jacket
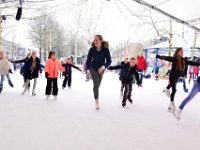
x=52, y=66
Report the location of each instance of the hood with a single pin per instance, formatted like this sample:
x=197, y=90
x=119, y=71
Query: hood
x=105, y=44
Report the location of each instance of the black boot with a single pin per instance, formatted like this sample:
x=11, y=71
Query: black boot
x=10, y=83
x=130, y=100
x=1, y=89
x=124, y=102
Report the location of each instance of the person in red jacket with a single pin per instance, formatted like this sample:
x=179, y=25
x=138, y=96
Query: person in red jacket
x=51, y=73
x=141, y=64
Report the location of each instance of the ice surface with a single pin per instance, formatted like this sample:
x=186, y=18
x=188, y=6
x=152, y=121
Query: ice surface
x=72, y=123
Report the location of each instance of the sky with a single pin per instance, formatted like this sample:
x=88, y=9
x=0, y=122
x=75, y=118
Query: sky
x=119, y=14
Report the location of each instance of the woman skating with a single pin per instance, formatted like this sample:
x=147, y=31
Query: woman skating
x=178, y=65
x=195, y=89
x=68, y=73
x=31, y=71
x=51, y=73
x=96, y=64
x=129, y=69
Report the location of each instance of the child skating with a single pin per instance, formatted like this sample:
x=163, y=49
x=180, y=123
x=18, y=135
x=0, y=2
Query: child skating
x=51, y=73
x=68, y=73
x=5, y=68
x=178, y=65
x=130, y=69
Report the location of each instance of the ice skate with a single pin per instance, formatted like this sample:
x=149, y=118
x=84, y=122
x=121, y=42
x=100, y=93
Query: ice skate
x=69, y=87
x=33, y=92
x=97, y=104
x=28, y=89
x=123, y=102
x=24, y=91
x=11, y=84
x=1, y=89
x=130, y=100
x=63, y=87
x=171, y=107
x=177, y=114
x=186, y=90
x=167, y=92
x=55, y=97
x=47, y=97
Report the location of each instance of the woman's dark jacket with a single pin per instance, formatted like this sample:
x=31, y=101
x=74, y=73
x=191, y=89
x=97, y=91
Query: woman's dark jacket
x=97, y=59
x=128, y=72
x=27, y=67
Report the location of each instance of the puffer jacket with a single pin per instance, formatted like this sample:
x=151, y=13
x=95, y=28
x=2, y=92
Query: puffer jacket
x=4, y=66
x=141, y=62
x=52, y=66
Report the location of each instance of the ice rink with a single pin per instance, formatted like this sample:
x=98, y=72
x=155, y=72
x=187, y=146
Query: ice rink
x=72, y=123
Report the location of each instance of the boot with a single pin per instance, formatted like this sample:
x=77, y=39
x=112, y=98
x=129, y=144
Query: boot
x=167, y=92
x=1, y=89
x=172, y=107
x=123, y=102
x=186, y=90
x=97, y=104
x=47, y=97
x=33, y=92
x=130, y=100
x=10, y=83
x=177, y=114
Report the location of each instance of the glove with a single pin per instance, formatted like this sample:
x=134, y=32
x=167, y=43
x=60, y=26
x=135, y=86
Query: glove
x=158, y=56
x=10, y=71
x=46, y=75
x=139, y=85
x=110, y=68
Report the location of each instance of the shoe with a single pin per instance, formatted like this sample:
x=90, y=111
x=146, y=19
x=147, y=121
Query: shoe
x=97, y=104
x=47, y=97
x=186, y=90
x=121, y=94
x=63, y=87
x=177, y=114
x=123, y=102
x=130, y=100
x=1, y=89
x=24, y=91
x=55, y=96
x=10, y=83
x=172, y=107
x=167, y=92
x=33, y=92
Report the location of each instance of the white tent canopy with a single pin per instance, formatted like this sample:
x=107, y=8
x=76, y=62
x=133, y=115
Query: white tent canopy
x=183, y=11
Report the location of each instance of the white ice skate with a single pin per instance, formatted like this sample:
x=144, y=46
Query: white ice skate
x=33, y=92
x=47, y=97
x=177, y=114
x=172, y=107
x=97, y=104
x=24, y=91
x=121, y=94
x=167, y=92
x=55, y=96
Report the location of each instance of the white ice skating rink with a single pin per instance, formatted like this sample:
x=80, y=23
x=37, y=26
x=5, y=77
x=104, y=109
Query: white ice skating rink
x=72, y=122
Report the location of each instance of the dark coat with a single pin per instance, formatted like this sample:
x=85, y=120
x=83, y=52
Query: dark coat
x=20, y=61
x=127, y=76
x=97, y=59
x=27, y=67
x=174, y=72
x=68, y=68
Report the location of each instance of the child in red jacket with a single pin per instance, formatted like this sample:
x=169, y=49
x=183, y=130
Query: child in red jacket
x=51, y=73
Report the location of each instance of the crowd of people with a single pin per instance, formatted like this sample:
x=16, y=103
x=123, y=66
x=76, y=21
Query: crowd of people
x=98, y=60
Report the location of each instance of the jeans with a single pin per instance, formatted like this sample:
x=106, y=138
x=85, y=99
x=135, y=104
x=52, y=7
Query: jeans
x=96, y=77
x=140, y=75
x=2, y=80
x=128, y=90
x=193, y=92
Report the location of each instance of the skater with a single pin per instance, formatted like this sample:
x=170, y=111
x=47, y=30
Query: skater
x=5, y=68
x=61, y=74
x=31, y=70
x=156, y=71
x=195, y=89
x=96, y=64
x=121, y=72
x=184, y=76
x=51, y=73
x=68, y=73
x=141, y=64
x=130, y=69
x=196, y=70
x=178, y=65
